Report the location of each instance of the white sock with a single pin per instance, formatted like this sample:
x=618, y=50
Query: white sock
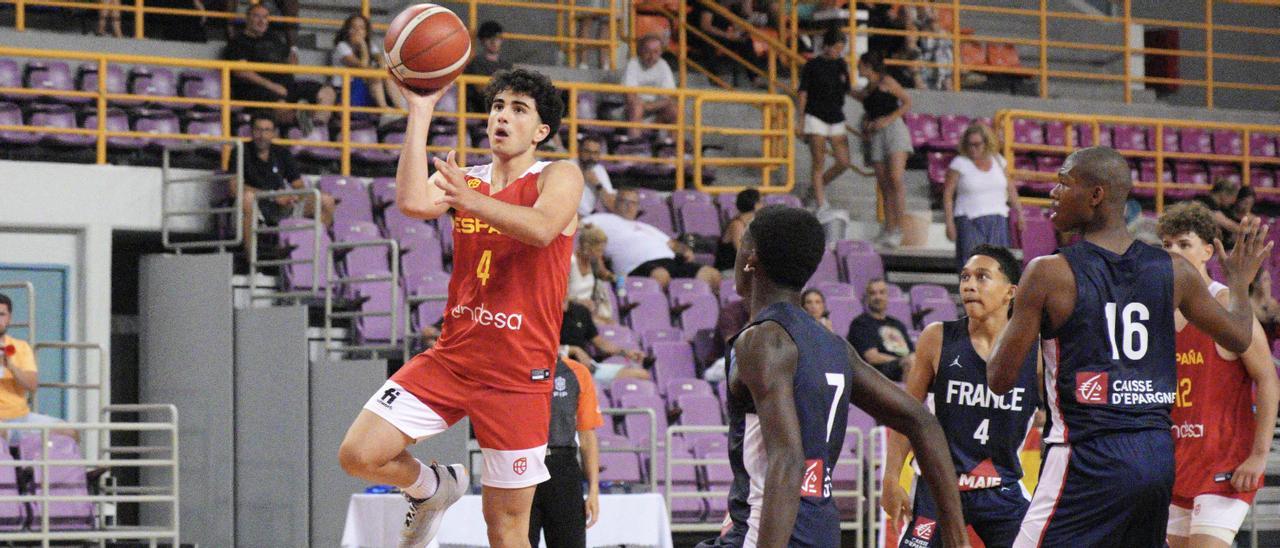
x=426, y=484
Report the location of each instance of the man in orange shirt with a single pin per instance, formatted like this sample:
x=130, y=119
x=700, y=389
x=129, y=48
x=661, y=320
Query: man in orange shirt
x=559, y=512
x=17, y=377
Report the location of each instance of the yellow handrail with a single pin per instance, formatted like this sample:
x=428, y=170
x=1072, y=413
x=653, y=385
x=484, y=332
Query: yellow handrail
x=1004, y=121
x=571, y=41
x=775, y=140
x=1045, y=17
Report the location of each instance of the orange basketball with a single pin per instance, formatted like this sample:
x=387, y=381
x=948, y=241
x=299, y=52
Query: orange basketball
x=427, y=46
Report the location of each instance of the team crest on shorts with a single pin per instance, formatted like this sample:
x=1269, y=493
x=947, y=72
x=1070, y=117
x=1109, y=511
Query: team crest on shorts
x=520, y=465
x=924, y=528
x=1091, y=387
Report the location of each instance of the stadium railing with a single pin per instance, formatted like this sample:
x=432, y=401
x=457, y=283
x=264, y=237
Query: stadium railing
x=313, y=225
x=346, y=280
x=1159, y=127
x=95, y=394
x=170, y=180
x=775, y=133
x=569, y=16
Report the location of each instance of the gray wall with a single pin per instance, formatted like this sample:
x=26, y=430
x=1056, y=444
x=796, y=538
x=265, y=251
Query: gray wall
x=271, y=409
x=186, y=359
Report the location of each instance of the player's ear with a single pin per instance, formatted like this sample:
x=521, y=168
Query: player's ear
x=541, y=134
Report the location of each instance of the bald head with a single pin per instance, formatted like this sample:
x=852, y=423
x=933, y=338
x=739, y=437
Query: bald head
x=1101, y=167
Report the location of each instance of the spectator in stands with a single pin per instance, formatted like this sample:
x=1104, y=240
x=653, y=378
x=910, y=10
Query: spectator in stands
x=976, y=195
x=353, y=47
x=597, y=185
x=887, y=17
x=824, y=82
x=259, y=45
x=111, y=16
x=815, y=303
x=176, y=27
x=723, y=33
x=19, y=379
x=578, y=333
x=640, y=249
x=880, y=339
x=559, y=511
x=1265, y=306
x=487, y=63
x=1221, y=200
x=747, y=202
x=1243, y=207
x=886, y=141
x=268, y=167
x=934, y=50
x=648, y=69
x=588, y=272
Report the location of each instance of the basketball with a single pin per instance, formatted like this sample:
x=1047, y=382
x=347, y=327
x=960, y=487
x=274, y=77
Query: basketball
x=427, y=46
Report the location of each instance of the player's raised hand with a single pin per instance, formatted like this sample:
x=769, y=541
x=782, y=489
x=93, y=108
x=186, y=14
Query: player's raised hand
x=453, y=181
x=895, y=502
x=1246, y=256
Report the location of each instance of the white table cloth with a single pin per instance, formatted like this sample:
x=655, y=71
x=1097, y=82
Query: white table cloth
x=374, y=521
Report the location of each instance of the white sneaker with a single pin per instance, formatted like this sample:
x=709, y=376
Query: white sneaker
x=425, y=515
x=893, y=240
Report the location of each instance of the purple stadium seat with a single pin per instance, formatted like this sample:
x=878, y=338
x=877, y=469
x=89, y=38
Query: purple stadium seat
x=640, y=285
x=60, y=116
x=659, y=217
x=622, y=387
x=651, y=311
x=444, y=227
x=1037, y=238
x=680, y=289
x=842, y=311
x=376, y=297
x=637, y=426
x=62, y=480
x=900, y=308
x=920, y=292
x=53, y=76
x=423, y=256
x=1190, y=172
x=383, y=190
x=680, y=387
x=369, y=135
x=205, y=127
x=699, y=410
x=923, y=128
x=701, y=314
x=1126, y=137
x=618, y=168
x=1230, y=172
x=10, y=114
x=618, y=467
x=950, y=128
x=700, y=218
x=352, y=197
x=159, y=122
x=402, y=227
x=789, y=200
x=300, y=246
x=1261, y=178
x=673, y=360
x=727, y=203
x=1195, y=141
x=87, y=79
x=1227, y=142
x=938, y=162
x=837, y=289
x=153, y=82
x=619, y=335
x=1172, y=139
x=1055, y=133
x=828, y=269
x=12, y=514
x=1029, y=132
x=719, y=478
x=1263, y=144
x=117, y=120
x=680, y=198
x=319, y=134
x=1082, y=135
x=861, y=267
x=11, y=77
x=936, y=310
x=433, y=284
x=200, y=84
x=669, y=334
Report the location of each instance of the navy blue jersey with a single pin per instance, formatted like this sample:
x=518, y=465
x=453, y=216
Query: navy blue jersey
x=822, y=381
x=985, y=431
x=1111, y=367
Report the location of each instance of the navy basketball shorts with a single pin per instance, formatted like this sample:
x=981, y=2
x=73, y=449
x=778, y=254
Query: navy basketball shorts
x=1111, y=490
x=995, y=515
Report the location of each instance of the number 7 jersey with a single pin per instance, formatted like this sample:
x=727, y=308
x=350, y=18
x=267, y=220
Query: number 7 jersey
x=506, y=298
x=1111, y=366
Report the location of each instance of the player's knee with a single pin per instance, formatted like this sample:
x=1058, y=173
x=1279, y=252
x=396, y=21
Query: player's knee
x=356, y=459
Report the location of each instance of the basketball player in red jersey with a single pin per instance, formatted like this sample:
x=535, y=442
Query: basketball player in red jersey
x=513, y=222
x=1221, y=435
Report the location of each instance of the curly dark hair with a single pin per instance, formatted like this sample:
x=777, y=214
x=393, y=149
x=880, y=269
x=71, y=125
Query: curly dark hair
x=1186, y=217
x=534, y=84
x=789, y=242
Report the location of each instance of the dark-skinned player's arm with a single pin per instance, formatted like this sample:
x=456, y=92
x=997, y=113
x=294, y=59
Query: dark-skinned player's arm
x=1231, y=328
x=894, y=499
x=882, y=399
x=560, y=191
x=766, y=368
x=416, y=195
x=1020, y=335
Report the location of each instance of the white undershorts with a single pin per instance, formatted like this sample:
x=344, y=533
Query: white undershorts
x=1213, y=515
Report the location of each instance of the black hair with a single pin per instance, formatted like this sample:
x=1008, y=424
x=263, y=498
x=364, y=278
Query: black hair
x=345, y=31
x=535, y=85
x=832, y=37
x=1224, y=184
x=789, y=242
x=261, y=115
x=1009, y=265
x=4, y=300
x=597, y=139
x=1246, y=192
x=747, y=200
x=488, y=29
x=874, y=60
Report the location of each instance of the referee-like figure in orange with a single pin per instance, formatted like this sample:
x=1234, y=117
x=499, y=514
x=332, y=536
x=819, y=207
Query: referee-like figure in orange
x=559, y=510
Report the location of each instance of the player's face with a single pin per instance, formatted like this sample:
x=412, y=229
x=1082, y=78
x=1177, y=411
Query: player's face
x=514, y=124
x=877, y=297
x=814, y=304
x=263, y=132
x=589, y=153
x=1071, y=208
x=258, y=19
x=984, y=289
x=1190, y=246
x=627, y=205
x=650, y=53
x=492, y=46
x=5, y=316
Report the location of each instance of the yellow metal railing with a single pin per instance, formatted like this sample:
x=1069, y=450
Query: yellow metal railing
x=958, y=12
x=775, y=133
x=568, y=16
x=1004, y=122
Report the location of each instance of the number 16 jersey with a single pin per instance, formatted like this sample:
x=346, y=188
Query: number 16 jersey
x=1110, y=367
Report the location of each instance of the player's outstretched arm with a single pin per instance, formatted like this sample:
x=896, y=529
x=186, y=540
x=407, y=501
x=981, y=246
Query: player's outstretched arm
x=894, y=498
x=561, y=191
x=416, y=196
x=1257, y=362
x=877, y=395
x=766, y=367
x=1020, y=335
x=1231, y=328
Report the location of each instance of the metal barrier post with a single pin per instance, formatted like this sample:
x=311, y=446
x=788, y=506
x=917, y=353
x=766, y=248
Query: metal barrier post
x=315, y=226
x=104, y=375
x=1208, y=54
x=236, y=209
x=393, y=279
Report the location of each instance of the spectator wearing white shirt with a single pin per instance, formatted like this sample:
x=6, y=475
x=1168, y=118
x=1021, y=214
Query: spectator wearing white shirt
x=976, y=195
x=597, y=184
x=649, y=70
x=640, y=249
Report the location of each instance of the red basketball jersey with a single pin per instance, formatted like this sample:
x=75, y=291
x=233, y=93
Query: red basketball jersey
x=506, y=298
x=1212, y=417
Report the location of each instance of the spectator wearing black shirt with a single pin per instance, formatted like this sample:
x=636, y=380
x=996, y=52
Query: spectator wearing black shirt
x=824, y=82
x=880, y=339
x=487, y=63
x=258, y=44
x=267, y=168
x=578, y=332
x=724, y=32
x=1221, y=200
